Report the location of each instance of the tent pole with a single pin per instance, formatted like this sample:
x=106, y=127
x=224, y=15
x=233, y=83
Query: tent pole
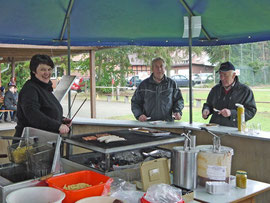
x=69, y=147
x=68, y=73
x=190, y=67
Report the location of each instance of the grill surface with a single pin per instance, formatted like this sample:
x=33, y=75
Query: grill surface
x=131, y=139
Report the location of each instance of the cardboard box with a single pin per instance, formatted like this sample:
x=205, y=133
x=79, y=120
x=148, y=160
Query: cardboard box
x=154, y=172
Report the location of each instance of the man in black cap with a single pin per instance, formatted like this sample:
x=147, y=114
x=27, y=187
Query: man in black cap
x=223, y=97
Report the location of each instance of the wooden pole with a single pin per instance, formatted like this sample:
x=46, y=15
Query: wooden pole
x=92, y=83
x=13, y=74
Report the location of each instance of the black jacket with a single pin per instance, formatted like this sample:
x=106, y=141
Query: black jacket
x=157, y=100
x=239, y=93
x=38, y=108
x=9, y=100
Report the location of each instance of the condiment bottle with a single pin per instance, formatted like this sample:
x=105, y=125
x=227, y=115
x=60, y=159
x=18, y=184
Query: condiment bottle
x=240, y=117
x=241, y=179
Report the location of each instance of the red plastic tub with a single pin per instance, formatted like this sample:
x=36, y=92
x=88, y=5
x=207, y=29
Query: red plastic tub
x=90, y=177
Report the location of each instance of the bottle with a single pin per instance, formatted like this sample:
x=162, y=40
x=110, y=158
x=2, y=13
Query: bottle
x=241, y=179
x=240, y=117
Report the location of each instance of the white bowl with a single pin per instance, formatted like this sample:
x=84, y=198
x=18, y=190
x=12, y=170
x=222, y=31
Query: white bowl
x=97, y=199
x=36, y=195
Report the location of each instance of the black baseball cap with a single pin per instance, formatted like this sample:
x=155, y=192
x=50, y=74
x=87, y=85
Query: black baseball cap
x=226, y=67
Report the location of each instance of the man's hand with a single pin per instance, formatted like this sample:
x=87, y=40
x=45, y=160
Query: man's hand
x=142, y=118
x=225, y=112
x=177, y=116
x=205, y=113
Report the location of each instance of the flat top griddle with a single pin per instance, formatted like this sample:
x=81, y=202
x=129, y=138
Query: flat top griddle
x=133, y=141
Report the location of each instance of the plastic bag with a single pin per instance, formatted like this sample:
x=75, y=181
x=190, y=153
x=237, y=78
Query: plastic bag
x=107, y=186
x=125, y=191
x=163, y=193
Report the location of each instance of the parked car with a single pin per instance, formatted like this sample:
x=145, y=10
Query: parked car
x=134, y=81
x=78, y=85
x=181, y=81
x=196, y=78
x=203, y=78
x=209, y=79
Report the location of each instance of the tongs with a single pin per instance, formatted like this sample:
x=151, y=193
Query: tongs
x=79, y=108
x=68, y=115
x=69, y=111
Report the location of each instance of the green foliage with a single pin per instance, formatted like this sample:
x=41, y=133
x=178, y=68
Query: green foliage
x=253, y=54
x=110, y=64
x=62, y=62
x=218, y=54
x=21, y=71
x=22, y=74
x=256, y=65
x=114, y=62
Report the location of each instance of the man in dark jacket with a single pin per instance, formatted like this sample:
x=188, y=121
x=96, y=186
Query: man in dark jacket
x=10, y=102
x=157, y=97
x=223, y=97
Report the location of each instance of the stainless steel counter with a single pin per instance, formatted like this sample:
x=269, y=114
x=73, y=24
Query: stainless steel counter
x=173, y=125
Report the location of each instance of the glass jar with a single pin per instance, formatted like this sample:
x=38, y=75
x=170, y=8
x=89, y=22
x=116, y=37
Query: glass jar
x=241, y=179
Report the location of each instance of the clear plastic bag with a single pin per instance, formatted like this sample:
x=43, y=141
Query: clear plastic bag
x=124, y=191
x=163, y=193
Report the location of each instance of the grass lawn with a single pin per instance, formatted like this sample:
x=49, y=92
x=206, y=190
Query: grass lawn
x=262, y=116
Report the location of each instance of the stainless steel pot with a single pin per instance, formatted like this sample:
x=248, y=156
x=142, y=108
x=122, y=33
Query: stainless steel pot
x=184, y=167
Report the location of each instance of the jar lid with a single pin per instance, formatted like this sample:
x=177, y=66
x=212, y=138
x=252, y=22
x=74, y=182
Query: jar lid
x=241, y=172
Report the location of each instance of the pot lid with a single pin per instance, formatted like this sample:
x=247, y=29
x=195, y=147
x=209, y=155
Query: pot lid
x=209, y=148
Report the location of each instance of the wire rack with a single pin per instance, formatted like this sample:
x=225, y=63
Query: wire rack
x=40, y=160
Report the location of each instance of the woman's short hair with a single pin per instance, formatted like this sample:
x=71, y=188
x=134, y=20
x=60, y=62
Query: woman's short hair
x=40, y=59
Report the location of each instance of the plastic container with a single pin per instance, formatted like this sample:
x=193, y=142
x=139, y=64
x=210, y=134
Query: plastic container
x=240, y=117
x=217, y=188
x=90, y=177
x=214, y=166
x=36, y=195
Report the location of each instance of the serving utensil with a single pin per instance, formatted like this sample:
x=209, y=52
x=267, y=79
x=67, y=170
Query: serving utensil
x=79, y=108
x=68, y=115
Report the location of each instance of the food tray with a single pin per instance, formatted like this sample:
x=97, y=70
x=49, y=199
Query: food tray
x=98, y=182
x=149, y=132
